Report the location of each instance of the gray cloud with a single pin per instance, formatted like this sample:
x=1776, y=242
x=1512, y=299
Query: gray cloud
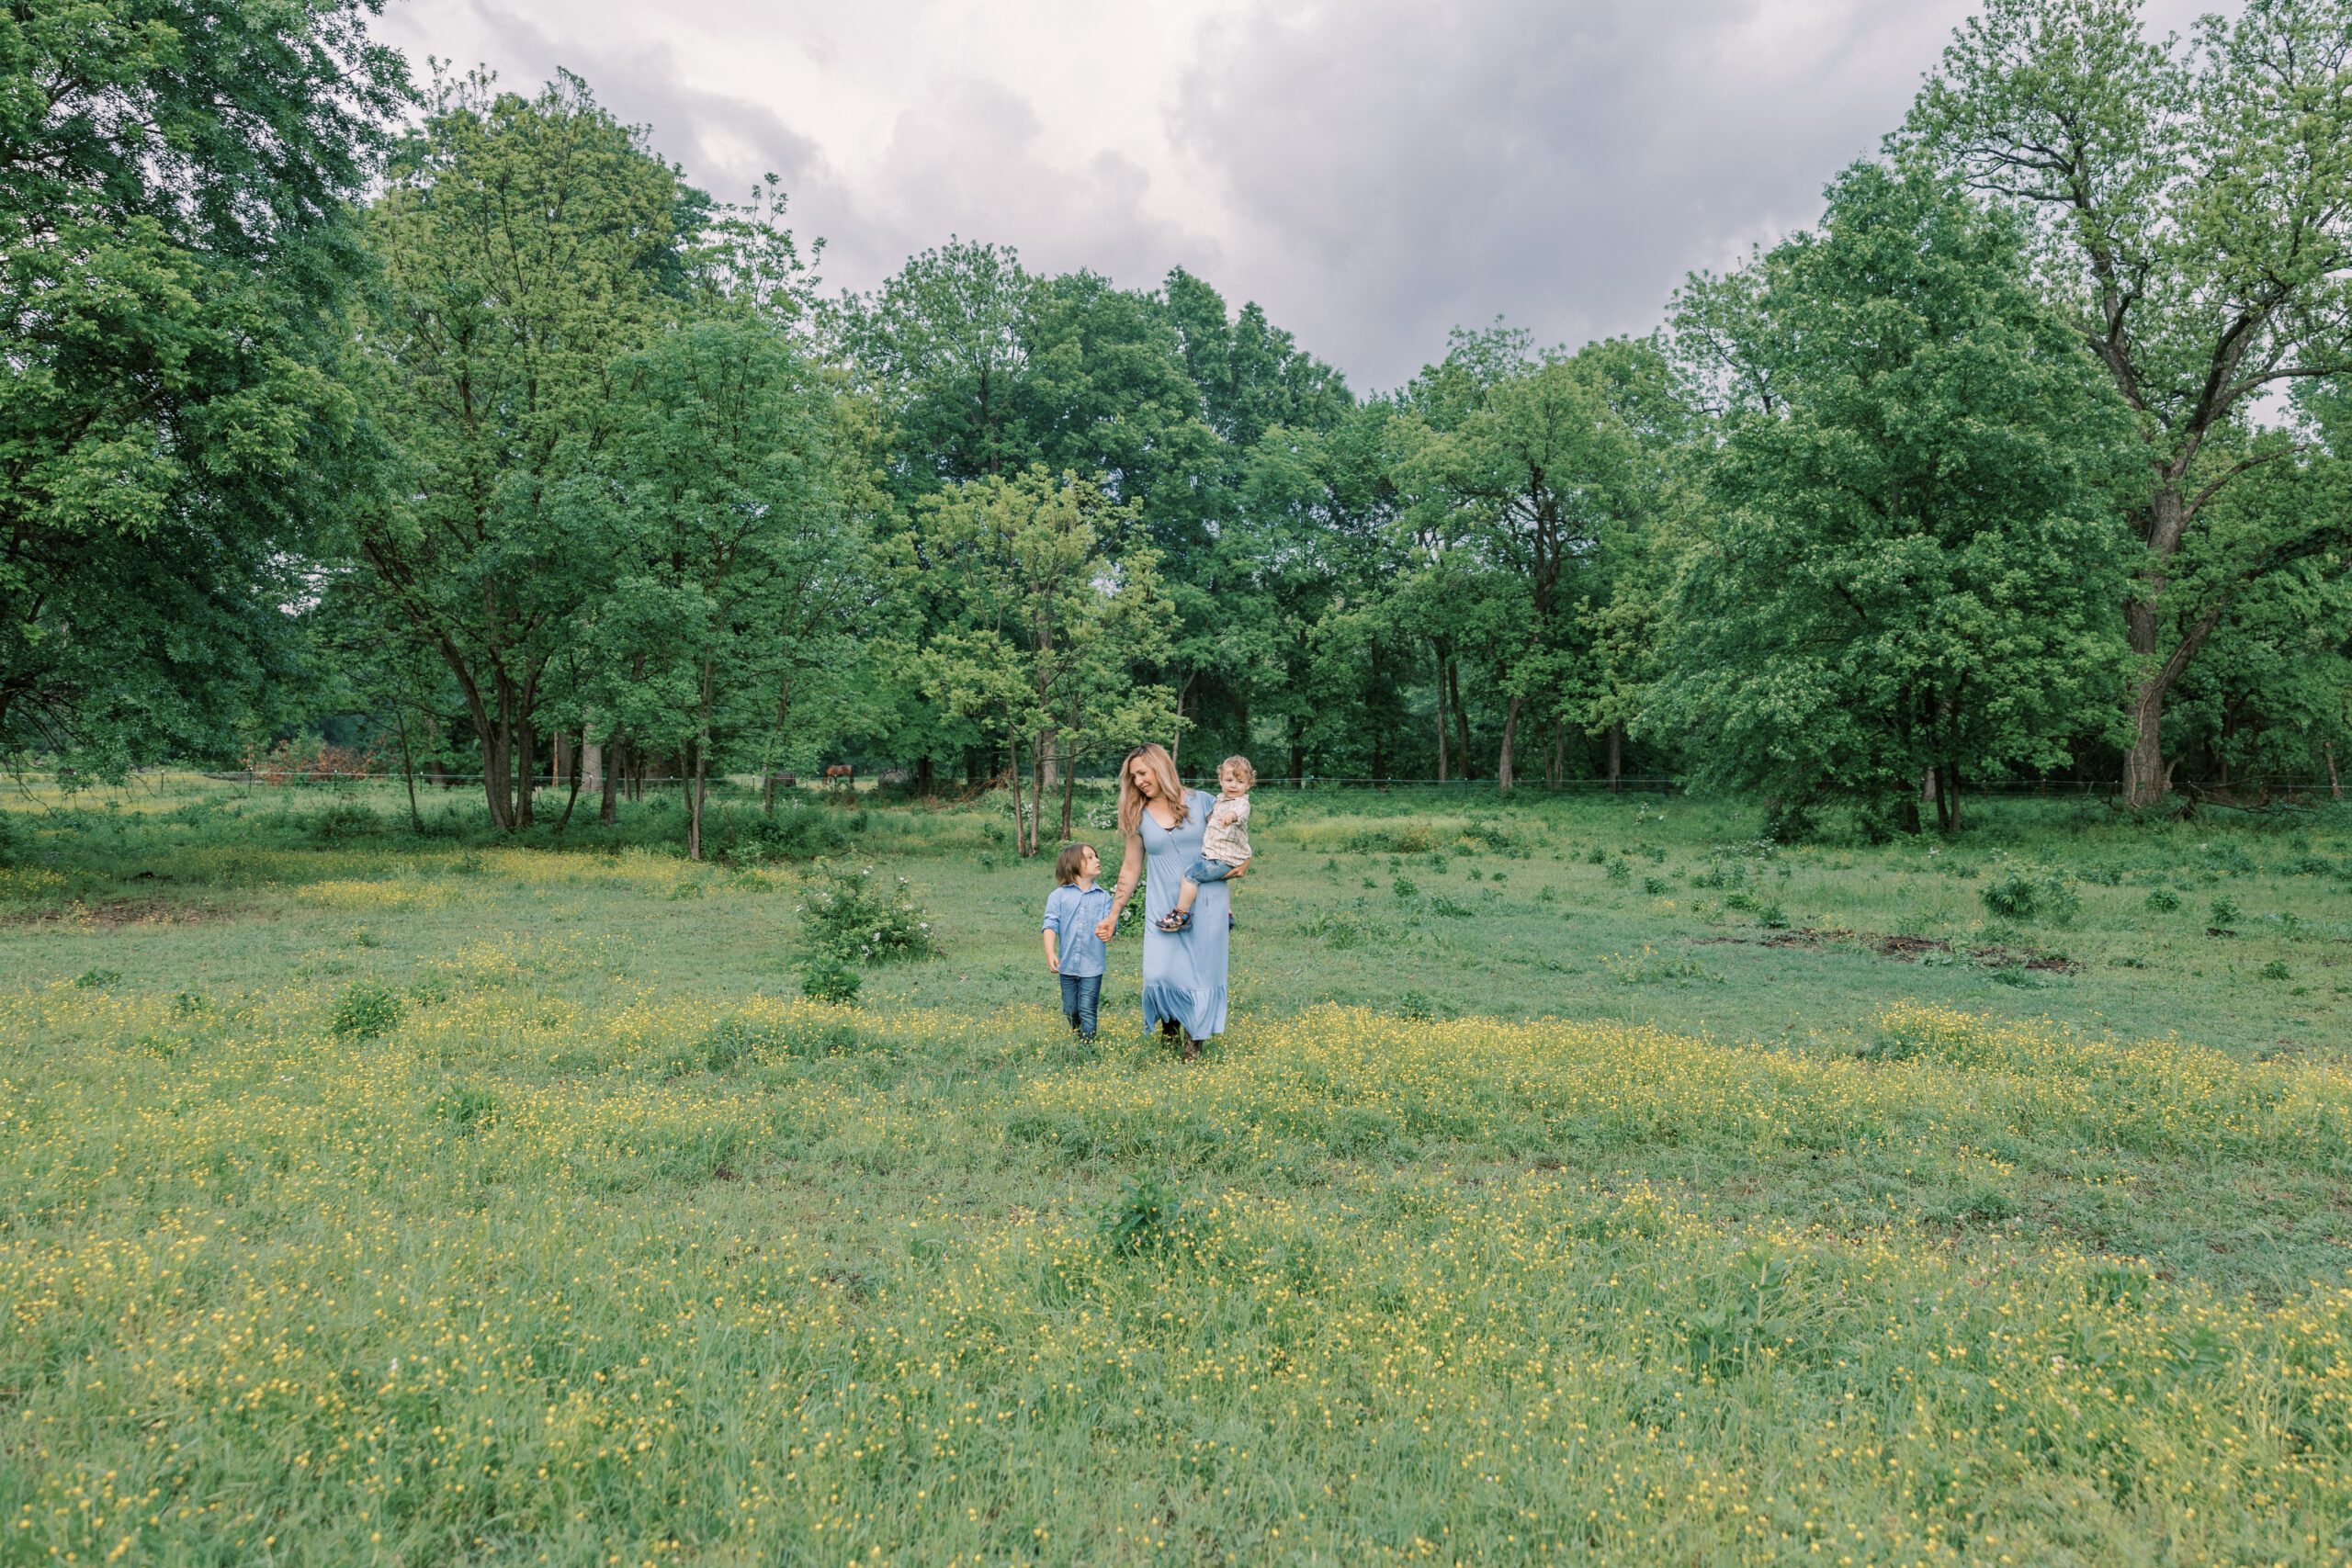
x=1373, y=173
x=1401, y=169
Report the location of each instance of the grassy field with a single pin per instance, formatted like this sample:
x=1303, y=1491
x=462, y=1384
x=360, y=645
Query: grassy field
x=1579, y=1179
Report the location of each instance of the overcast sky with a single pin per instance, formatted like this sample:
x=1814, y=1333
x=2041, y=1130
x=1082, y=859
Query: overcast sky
x=1372, y=173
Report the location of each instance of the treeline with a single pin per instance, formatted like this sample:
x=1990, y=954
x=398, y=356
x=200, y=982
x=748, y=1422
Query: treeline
x=459, y=415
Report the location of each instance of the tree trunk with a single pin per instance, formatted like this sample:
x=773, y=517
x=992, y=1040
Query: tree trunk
x=498, y=773
x=578, y=775
x=2146, y=775
x=1297, y=767
x=591, y=766
x=1176, y=742
x=408, y=771
x=608, y=810
x=2335, y=784
x=559, y=767
x=1441, y=724
x=1951, y=793
x=1012, y=776
x=926, y=780
x=1069, y=790
x=1559, y=753
x=1616, y=756
x=1510, y=731
x=1461, y=719
x=526, y=772
x=701, y=761
x=1039, y=781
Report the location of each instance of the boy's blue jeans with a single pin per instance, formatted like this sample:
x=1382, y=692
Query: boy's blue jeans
x=1202, y=871
x=1082, y=994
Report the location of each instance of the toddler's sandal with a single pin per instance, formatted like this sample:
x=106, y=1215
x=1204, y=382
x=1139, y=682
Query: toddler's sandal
x=1175, y=919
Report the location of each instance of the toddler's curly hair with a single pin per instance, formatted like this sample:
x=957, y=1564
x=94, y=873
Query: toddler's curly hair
x=1240, y=765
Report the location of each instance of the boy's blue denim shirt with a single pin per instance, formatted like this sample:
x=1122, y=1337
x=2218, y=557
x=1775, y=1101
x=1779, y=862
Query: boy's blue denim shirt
x=1075, y=915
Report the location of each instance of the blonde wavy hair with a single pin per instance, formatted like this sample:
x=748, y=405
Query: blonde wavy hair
x=1163, y=774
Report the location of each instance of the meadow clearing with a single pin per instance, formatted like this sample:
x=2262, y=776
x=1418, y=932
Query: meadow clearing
x=1581, y=1180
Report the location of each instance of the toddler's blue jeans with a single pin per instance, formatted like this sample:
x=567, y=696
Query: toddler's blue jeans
x=1081, y=995
x=1202, y=871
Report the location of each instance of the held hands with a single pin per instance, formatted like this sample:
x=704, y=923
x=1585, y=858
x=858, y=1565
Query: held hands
x=1107, y=927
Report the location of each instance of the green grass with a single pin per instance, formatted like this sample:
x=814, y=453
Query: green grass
x=377, y=1199
x=1507, y=915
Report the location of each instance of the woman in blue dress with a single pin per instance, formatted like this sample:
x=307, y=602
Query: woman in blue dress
x=1183, y=971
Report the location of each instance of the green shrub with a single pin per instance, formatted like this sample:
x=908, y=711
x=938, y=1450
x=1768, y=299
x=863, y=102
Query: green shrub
x=1405, y=887
x=853, y=918
x=2222, y=912
x=1143, y=1218
x=2013, y=898
x=828, y=979
x=1415, y=1004
x=92, y=979
x=345, y=822
x=1619, y=872
x=1654, y=886
x=367, y=1010
x=2164, y=900
x=2029, y=894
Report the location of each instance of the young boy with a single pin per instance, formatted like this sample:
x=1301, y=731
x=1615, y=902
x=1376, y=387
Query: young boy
x=1073, y=910
x=1225, y=843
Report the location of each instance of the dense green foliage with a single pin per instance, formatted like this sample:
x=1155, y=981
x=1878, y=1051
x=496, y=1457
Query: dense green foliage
x=615, y=496
x=176, y=248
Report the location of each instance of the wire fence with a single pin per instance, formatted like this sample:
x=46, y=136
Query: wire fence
x=1623, y=784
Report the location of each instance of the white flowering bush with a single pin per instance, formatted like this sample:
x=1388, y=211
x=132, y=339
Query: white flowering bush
x=855, y=916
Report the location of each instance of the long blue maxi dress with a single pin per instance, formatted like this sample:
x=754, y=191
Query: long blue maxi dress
x=1184, y=972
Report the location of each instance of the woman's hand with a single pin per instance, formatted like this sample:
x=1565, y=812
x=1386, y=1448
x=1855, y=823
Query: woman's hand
x=1130, y=872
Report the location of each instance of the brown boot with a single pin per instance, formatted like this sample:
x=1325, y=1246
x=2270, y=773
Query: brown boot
x=1189, y=1051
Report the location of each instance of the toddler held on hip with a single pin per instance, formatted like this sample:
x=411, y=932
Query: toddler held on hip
x=1072, y=950
x=1225, y=843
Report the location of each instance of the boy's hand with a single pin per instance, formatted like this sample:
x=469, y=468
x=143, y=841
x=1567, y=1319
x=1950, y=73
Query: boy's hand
x=1052, y=964
x=1107, y=927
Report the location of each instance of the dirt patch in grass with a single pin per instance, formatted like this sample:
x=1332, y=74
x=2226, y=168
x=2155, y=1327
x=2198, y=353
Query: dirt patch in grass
x=113, y=914
x=1911, y=949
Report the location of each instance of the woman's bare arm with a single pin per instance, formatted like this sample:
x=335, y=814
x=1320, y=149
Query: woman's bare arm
x=1130, y=872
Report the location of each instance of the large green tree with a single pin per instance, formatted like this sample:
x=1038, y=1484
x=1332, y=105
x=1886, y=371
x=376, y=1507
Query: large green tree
x=2191, y=205
x=174, y=256
x=735, y=570
x=1906, y=548
x=1053, y=599
x=1515, y=464
x=527, y=244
